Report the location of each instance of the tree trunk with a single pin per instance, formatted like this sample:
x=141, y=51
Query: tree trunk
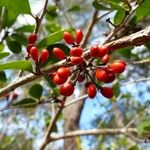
x=71, y=121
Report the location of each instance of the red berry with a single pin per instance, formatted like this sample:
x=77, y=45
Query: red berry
x=14, y=96
x=44, y=56
x=32, y=38
x=106, y=92
x=118, y=66
x=66, y=89
x=58, y=80
x=81, y=78
x=63, y=72
x=105, y=59
x=94, y=51
x=76, y=60
x=79, y=36
x=91, y=90
x=76, y=51
x=68, y=38
x=101, y=75
x=59, y=54
x=34, y=53
x=103, y=50
x=110, y=75
x=29, y=47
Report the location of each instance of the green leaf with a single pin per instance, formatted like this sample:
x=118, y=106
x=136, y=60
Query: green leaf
x=1, y=47
x=17, y=65
x=14, y=8
x=27, y=102
x=25, y=28
x=125, y=52
x=13, y=45
x=99, y=6
x=51, y=39
x=143, y=10
x=3, y=54
x=3, y=76
x=74, y=8
x=135, y=147
x=52, y=26
x=144, y=127
x=36, y=91
x=51, y=12
x=119, y=17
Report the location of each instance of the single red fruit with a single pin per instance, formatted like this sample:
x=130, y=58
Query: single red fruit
x=101, y=74
x=106, y=92
x=44, y=56
x=32, y=38
x=121, y=61
x=94, y=51
x=81, y=78
x=76, y=60
x=14, y=96
x=66, y=89
x=76, y=51
x=118, y=66
x=34, y=53
x=79, y=36
x=103, y=50
x=105, y=59
x=52, y=75
x=63, y=72
x=68, y=38
x=91, y=90
x=29, y=47
x=58, y=80
x=110, y=75
x=59, y=54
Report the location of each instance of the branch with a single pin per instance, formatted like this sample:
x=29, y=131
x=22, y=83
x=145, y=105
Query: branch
x=105, y=131
x=135, y=39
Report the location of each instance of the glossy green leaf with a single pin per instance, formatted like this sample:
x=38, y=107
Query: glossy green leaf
x=36, y=91
x=99, y=6
x=51, y=39
x=25, y=28
x=3, y=76
x=13, y=45
x=119, y=16
x=135, y=147
x=74, y=8
x=27, y=102
x=144, y=127
x=143, y=10
x=17, y=65
x=1, y=47
x=3, y=54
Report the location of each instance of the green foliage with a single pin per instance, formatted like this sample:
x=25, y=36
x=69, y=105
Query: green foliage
x=17, y=65
x=135, y=147
x=25, y=28
x=119, y=17
x=125, y=52
x=144, y=127
x=1, y=47
x=3, y=76
x=36, y=91
x=74, y=8
x=3, y=54
x=99, y=6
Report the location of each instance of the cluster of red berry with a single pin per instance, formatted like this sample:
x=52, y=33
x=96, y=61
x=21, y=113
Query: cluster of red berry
x=33, y=51
x=93, y=72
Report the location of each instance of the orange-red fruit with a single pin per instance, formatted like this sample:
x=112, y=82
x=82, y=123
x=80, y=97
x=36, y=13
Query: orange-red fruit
x=34, y=53
x=101, y=75
x=106, y=92
x=118, y=66
x=91, y=90
x=29, y=47
x=76, y=60
x=79, y=36
x=44, y=56
x=105, y=59
x=103, y=50
x=68, y=38
x=58, y=80
x=94, y=51
x=76, y=51
x=32, y=38
x=58, y=53
x=63, y=72
x=66, y=89
x=14, y=96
